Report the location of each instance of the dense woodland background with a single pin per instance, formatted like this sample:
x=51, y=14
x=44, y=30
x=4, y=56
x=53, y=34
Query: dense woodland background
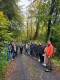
x=40, y=23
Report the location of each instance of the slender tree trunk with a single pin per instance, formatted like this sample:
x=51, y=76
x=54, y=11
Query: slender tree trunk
x=27, y=29
x=31, y=28
x=37, y=27
x=36, y=33
x=49, y=22
x=56, y=11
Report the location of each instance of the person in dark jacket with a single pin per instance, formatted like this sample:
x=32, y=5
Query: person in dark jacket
x=39, y=49
x=25, y=48
x=21, y=48
x=14, y=50
x=35, y=50
x=31, y=49
x=43, y=47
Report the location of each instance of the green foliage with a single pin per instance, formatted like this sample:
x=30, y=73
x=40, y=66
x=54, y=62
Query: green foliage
x=4, y=25
x=41, y=12
x=56, y=62
x=3, y=62
x=15, y=16
x=11, y=27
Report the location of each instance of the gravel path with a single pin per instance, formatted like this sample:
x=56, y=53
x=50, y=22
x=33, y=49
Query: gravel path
x=27, y=68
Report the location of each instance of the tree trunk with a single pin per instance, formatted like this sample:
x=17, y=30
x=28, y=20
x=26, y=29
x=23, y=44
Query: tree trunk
x=27, y=29
x=36, y=33
x=31, y=28
x=49, y=22
x=37, y=27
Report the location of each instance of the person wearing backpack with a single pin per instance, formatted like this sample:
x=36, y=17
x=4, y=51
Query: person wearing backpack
x=49, y=53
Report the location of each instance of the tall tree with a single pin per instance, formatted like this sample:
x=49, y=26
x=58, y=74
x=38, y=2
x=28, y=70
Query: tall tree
x=50, y=13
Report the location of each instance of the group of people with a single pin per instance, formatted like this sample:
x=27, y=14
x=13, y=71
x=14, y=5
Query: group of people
x=12, y=50
x=38, y=51
x=42, y=53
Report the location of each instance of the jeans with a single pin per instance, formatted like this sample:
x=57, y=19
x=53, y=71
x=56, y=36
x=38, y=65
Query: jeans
x=11, y=55
x=25, y=51
x=14, y=55
x=8, y=56
x=28, y=50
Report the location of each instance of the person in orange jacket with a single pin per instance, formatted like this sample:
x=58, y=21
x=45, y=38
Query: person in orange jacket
x=49, y=53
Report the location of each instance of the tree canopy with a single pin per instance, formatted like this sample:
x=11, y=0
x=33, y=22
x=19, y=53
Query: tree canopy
x=11, y=21
x=44, y=19
x=41, y=21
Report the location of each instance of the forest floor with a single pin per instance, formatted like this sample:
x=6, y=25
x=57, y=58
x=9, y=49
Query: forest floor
x=27, y=68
